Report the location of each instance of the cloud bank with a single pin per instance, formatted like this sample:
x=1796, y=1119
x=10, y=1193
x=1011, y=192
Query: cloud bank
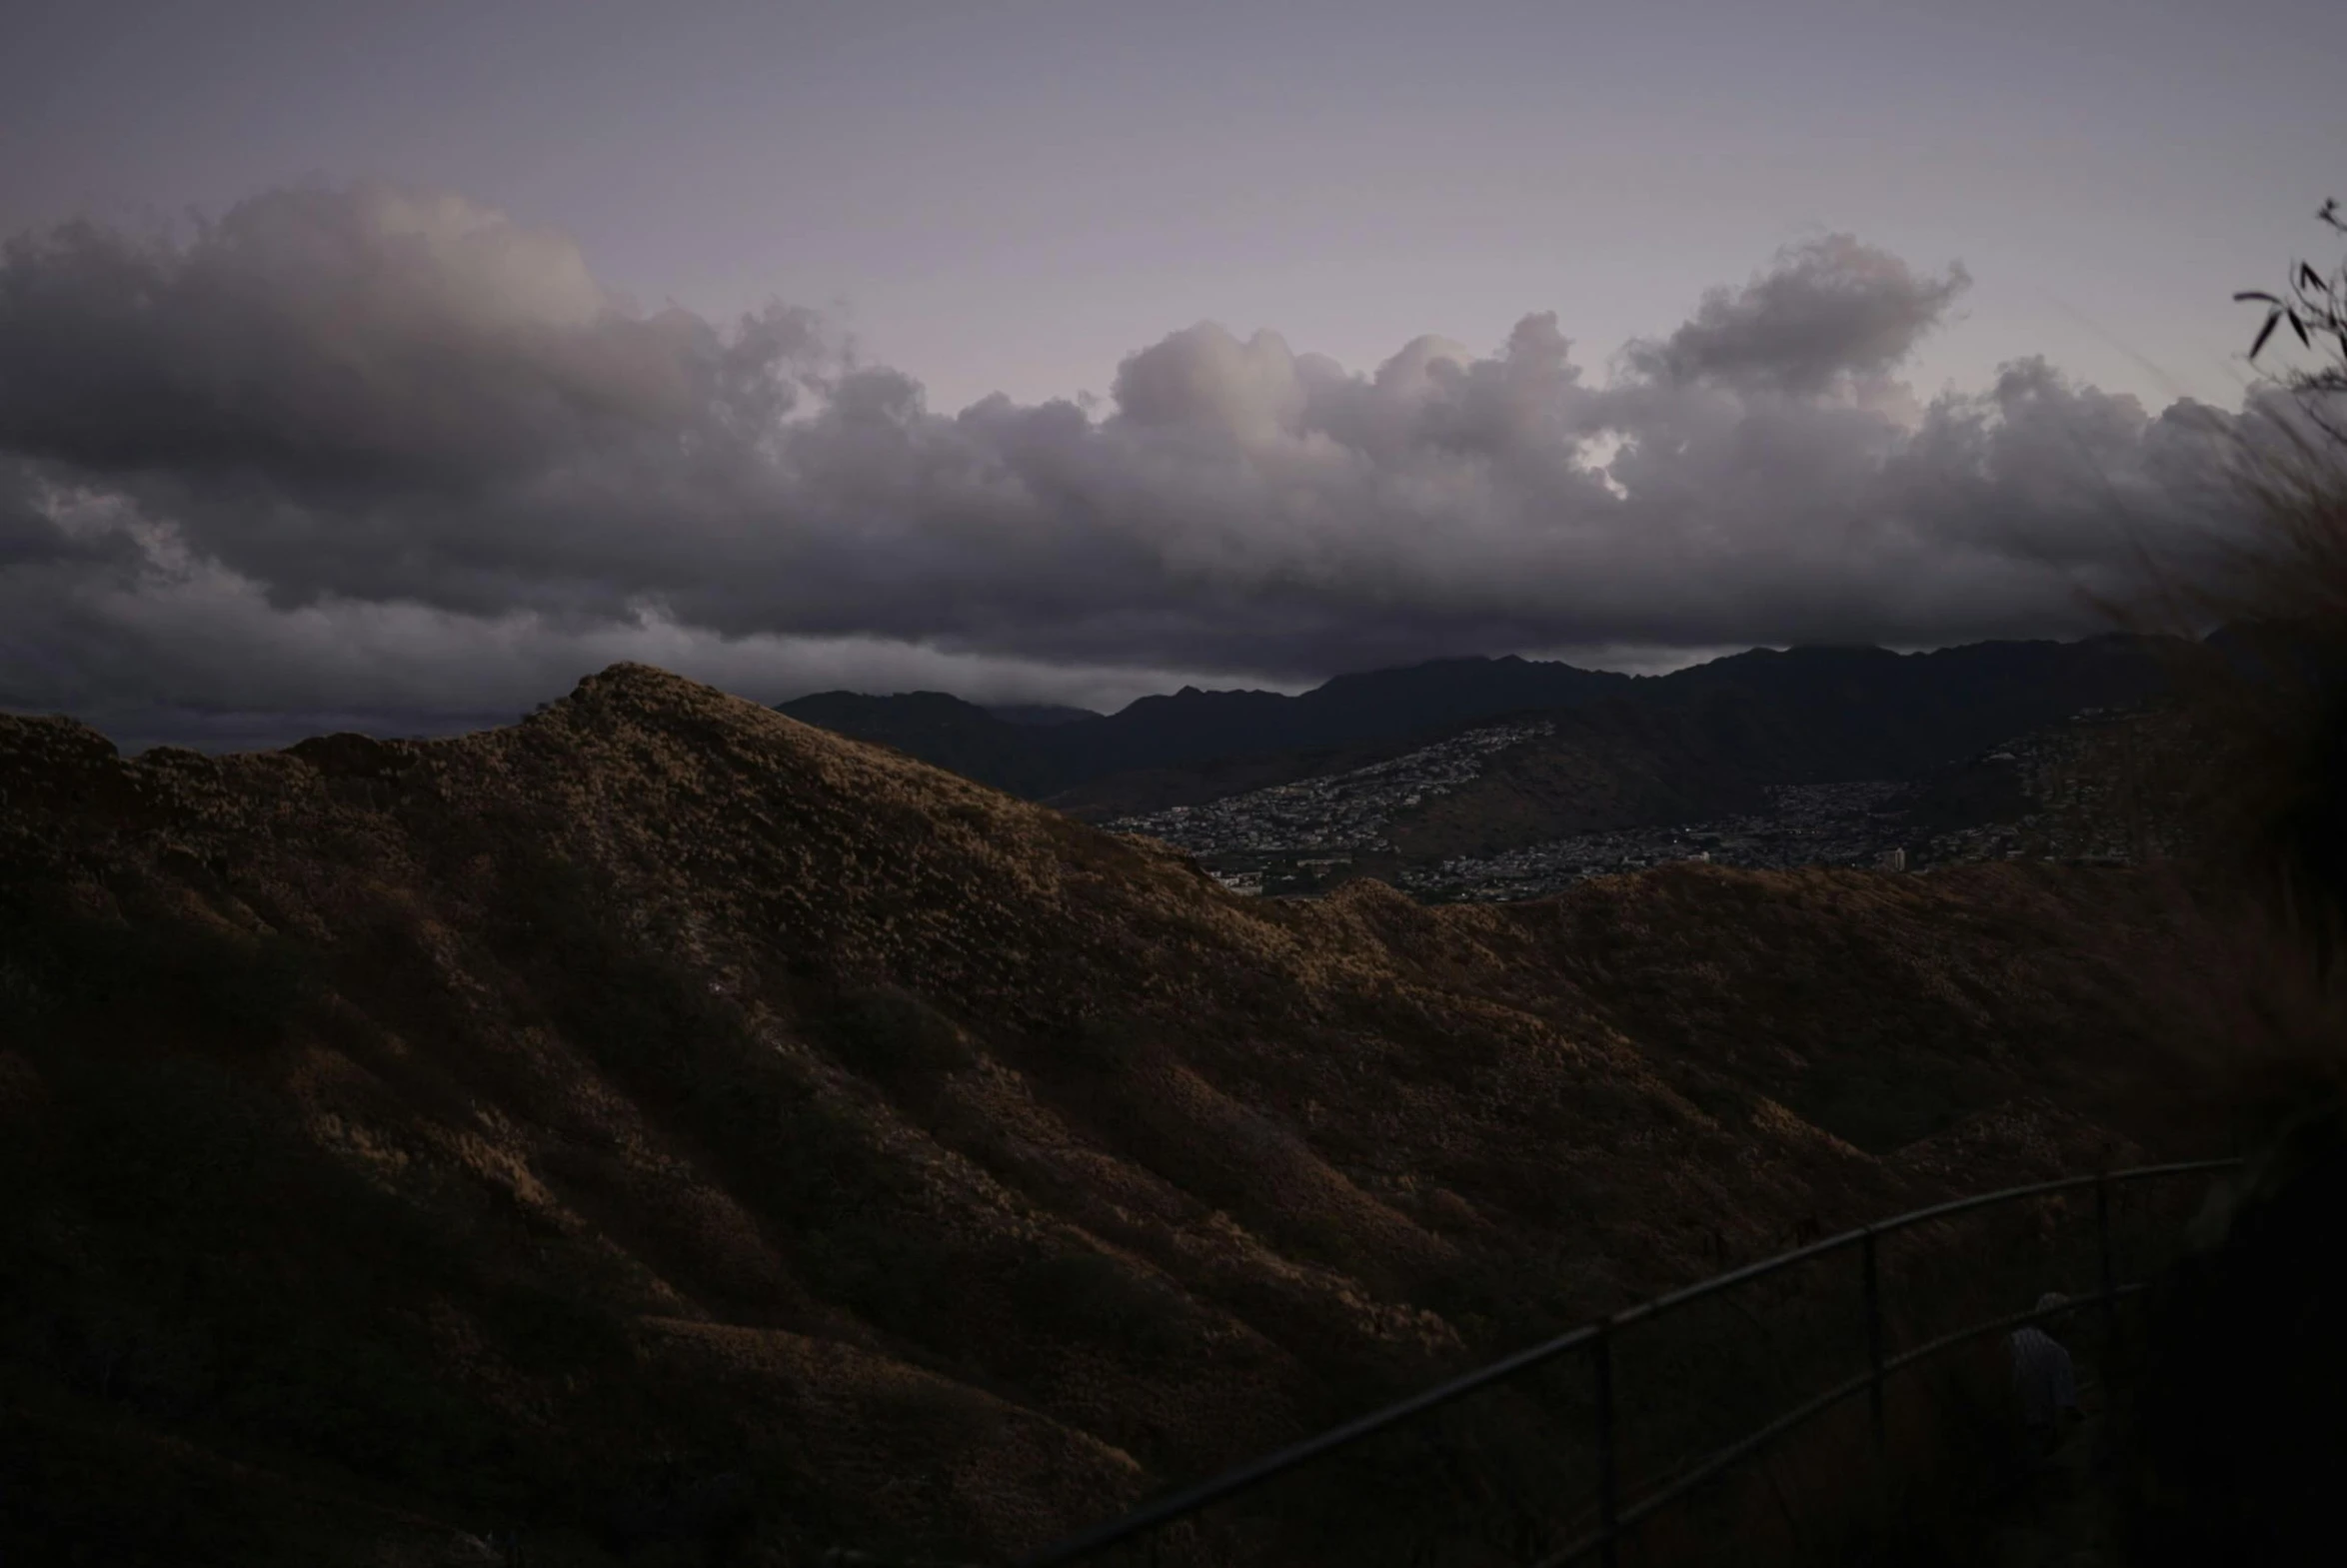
x=364, y=451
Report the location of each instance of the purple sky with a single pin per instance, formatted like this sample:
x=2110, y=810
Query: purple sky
x=406, y=439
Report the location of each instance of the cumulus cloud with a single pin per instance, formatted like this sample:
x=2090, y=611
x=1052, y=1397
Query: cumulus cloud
x=1829, y=309
x=412, y=448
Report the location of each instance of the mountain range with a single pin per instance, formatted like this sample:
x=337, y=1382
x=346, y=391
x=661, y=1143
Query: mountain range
x=664, y=1121
x=1191, y=726
x=1802, y=714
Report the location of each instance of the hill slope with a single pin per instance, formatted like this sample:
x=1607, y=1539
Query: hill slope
x=662, y=1115
x=1801, y=715
x=1190, y=727
x=1707, y=741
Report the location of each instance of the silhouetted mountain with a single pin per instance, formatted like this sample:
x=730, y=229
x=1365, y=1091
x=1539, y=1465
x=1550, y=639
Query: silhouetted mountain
x=1852, y=712
x=1714, y=741
x=1040, y=714
x=2278, y=654
x=1196, y=726
x=944, y=731
x=1704, y=736
x=1038, y=759
x=1707, y=737
x=1771, y=759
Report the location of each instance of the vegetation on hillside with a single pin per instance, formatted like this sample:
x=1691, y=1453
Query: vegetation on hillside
x=2233, y=1436
x=661, y=1126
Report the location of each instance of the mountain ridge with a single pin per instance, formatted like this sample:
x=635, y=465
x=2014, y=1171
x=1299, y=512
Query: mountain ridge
x=1841, y=698
x=1193, y=726
x=663, y=1087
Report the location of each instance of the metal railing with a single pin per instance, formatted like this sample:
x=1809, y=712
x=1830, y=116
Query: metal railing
x=1598, y=1341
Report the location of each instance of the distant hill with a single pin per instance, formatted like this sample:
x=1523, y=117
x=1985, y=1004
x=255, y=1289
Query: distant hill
x=944, y=731
x=1731, y=748
x=1709, y=741
x=1801, y=715
x=1040, y=714
x=1192, y=728
x=1868, y=712
x=662, y=1121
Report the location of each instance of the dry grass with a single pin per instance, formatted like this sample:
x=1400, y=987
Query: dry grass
x=385, y=1107
x=2208, y=1473
x=2223, y=1390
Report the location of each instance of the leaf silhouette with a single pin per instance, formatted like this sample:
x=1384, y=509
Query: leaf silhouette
x=2265, y=332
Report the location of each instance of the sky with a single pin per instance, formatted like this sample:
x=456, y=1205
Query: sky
x=390, y=367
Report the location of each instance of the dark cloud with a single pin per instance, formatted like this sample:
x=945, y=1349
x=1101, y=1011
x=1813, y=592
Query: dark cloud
x=370, y=418
x=1828, y=309
x=41, y=528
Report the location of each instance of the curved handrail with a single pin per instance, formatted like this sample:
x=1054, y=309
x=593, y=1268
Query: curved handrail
x=1849, y=1388
x=1247, y=1476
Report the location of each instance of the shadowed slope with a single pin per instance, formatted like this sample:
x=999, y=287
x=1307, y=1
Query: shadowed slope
x=551, y=1123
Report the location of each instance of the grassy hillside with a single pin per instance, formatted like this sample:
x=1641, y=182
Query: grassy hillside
x=662, y=1124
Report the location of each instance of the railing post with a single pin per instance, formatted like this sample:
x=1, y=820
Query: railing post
x=1609, y=1480
x=1123, y=1535
x=1874, y=1355
x=2110, y=1277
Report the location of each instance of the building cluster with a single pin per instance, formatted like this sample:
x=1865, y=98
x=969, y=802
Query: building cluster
x=1858, y=823
x=2102, y=790
x=2084, y=792
x=1332, y=817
